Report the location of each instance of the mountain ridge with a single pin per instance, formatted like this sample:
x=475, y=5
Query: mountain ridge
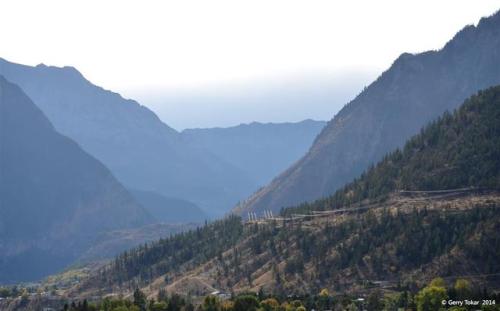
x=140, y=150
x=262, y=150
x=413, y=91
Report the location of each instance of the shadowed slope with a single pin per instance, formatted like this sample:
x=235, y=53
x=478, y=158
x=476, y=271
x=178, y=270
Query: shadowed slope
x=54, y=197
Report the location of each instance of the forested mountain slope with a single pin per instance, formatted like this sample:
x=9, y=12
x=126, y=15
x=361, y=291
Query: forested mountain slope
x=459, y=150
x=54, y=197
x=414, y=90
x=379, y=234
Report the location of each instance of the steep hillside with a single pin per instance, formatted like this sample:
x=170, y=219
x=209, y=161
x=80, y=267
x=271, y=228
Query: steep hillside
x=140, y=150
x=110, y=243
x=262, y=150
x=459, y=150
x=403, y=242
x=54, y=197
x=414, y=90
x=371, y=231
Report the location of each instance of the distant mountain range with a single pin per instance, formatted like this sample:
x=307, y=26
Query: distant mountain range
x=211, y=168
x=413, y=91
x=140, y=150
x=54, y=197
x=261, y=150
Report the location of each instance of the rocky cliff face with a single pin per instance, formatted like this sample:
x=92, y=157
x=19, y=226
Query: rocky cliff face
x=413, y=91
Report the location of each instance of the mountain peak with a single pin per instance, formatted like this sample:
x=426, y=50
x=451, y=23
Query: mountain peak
x=68, y=71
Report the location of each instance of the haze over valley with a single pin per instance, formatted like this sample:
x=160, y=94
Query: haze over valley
x=213, y=162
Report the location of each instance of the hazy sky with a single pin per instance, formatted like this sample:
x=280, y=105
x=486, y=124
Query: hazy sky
x=159, y=51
